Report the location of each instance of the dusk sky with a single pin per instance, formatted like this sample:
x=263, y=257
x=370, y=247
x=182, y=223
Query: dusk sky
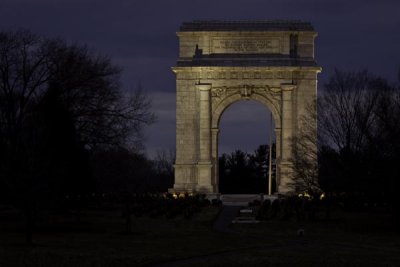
x=140, y=37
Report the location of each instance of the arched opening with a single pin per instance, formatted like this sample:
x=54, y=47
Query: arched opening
x=246, y=129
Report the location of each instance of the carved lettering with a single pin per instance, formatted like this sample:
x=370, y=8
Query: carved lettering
x=245, y=46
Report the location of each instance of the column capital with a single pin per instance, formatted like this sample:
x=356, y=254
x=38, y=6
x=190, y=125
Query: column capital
x=214, y=130
x=203, y=86
x=288, y=87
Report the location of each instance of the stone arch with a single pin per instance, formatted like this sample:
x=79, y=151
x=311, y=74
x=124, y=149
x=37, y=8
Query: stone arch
x=228, y=101
x=271, y=104
x=219, y=65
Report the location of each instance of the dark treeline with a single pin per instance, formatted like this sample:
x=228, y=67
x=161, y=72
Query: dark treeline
x=122, y=171
x=359, y=135
x=67, y=128
x=358, y=140
x=241, y=172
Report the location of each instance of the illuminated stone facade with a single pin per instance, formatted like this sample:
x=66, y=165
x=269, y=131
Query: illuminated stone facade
x=222, y=62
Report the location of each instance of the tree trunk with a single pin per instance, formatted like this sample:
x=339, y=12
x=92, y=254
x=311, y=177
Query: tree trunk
x=29, y=222
x=128, y=216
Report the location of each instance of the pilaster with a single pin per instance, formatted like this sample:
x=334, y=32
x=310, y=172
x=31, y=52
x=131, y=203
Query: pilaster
x=204, y=166
x=285, y=166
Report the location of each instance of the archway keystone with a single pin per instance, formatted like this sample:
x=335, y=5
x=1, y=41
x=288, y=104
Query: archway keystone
x=222, y=62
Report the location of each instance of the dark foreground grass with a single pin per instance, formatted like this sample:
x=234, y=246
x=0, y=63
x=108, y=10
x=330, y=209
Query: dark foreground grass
x=97, y=238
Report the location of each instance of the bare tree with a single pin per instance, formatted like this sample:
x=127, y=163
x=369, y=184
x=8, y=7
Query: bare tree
x=382, y=153
x=34, y=70
x=163, y=164
x=89, y=86
x=347, y=120
x=164, y=161
x=305, y=153
x=56, y=102
x=346, y=109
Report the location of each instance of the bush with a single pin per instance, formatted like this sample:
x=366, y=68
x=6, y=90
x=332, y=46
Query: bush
x=216, y=202
x=289, y=208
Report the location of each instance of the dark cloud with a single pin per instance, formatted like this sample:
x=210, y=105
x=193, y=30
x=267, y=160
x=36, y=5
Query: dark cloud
x=140, y=36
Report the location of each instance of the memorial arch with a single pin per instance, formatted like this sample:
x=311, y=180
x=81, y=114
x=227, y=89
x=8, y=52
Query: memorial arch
x=222, y=62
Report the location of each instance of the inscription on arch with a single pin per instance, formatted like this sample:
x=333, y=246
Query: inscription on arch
x=246, y=45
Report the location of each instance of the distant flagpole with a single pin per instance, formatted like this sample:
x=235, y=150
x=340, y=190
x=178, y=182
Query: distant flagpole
x=270, y=158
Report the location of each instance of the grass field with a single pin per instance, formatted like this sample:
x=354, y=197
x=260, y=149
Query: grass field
x=97, y=238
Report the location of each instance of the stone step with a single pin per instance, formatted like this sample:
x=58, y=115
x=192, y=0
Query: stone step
x=235, y=203
x=245, y=220
x=246, y=211
x=239, y=199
